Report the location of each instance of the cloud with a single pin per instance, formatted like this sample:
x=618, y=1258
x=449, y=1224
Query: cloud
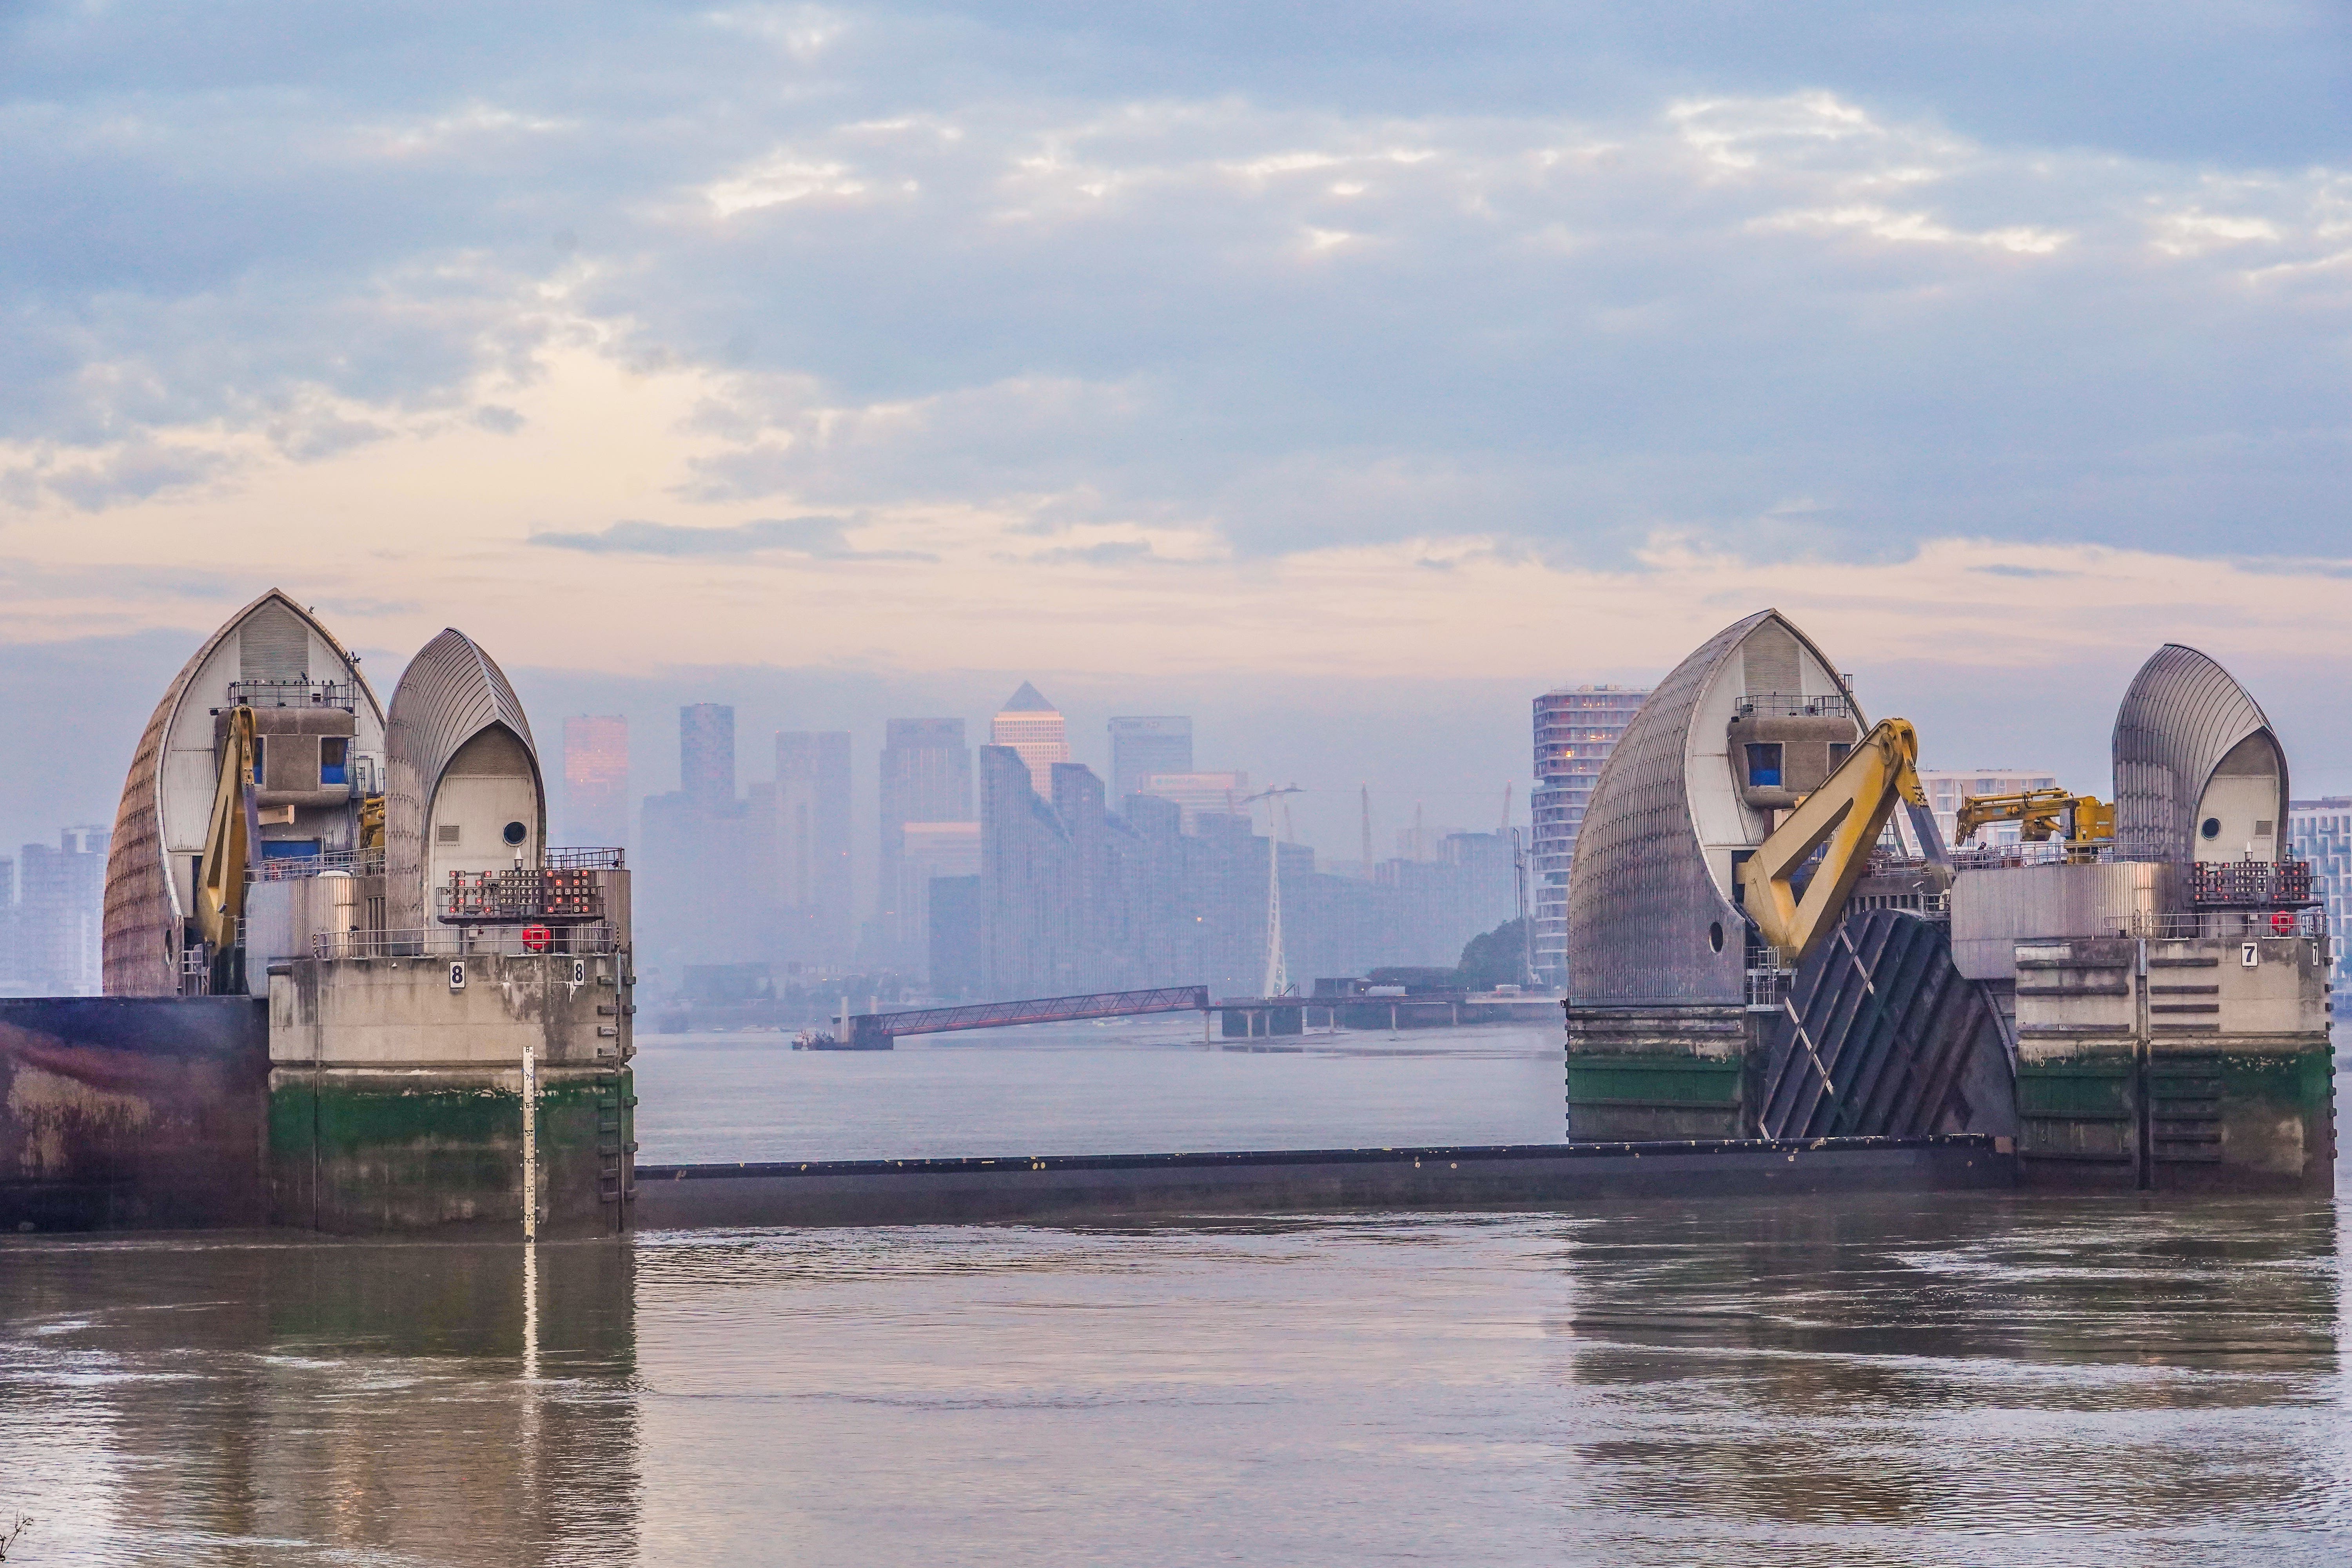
x=1018, y=284
x=134, y=472
x=817, y=537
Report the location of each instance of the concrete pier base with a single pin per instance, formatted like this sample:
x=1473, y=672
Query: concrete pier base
x=2185, y=1065
x=1643, y=1073
x=396, y=1093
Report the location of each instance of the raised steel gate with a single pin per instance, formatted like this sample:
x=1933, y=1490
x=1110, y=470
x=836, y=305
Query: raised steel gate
x=1880, y=1035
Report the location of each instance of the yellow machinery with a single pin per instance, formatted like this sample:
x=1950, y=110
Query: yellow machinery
x=1846, y=815
x=372, y=822
x=2041, y=815
x=228, y=842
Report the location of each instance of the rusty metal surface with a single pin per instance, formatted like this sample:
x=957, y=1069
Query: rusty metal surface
x=141, y=931
x=450, y=692
x=2180, y=717
x=131, y=1113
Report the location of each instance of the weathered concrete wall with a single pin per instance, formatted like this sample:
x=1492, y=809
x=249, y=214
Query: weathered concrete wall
x=352, y=1011
x=359, y=1151
x=395, y=1097
x=1637, y=1073
x=2192, y=1070
x=131, y=1113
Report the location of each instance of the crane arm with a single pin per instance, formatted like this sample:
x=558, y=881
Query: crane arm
x=2043, y=812
x=1846, y=815
x=228, y=842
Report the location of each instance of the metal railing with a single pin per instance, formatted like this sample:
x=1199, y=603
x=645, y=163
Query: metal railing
x=1792, y=705
x=1767, y=989
x=2229, y=925
x=467, y=942
x=583, y=859
x=2250, y=882
x=357, y=862
x=343, y=694
x=2026, y=852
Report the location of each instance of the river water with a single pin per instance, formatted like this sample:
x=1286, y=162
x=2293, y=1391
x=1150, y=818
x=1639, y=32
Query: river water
x=1948, y=1379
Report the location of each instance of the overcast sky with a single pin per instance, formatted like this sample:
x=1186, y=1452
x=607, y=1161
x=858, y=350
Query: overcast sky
x=1285, y=361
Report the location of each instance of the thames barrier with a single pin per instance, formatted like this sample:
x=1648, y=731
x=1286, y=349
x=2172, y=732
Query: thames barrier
x=352, y=988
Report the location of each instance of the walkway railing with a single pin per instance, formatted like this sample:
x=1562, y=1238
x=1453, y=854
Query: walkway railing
x=466, y=942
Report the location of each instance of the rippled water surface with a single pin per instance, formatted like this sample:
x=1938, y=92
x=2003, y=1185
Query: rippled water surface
x=1964, y=1379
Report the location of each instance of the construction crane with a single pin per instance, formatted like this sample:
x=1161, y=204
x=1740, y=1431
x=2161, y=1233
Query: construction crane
x=1277, y=968
x=2040, y=815
x=1843, y=820
x=228, y=844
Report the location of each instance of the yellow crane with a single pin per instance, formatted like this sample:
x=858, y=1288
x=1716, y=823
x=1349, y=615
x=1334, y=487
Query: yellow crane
x=1845, y=814
x=228, y=841
x=2041, y=813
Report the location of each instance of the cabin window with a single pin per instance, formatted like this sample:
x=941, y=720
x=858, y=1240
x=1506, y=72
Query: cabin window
x=1764, y=764
x=334, y=753
x=1838, y=751
x=260, y=770
x=516, y=833
x=2211, y=828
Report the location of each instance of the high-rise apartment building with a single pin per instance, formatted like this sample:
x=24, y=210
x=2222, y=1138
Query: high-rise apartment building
x=706, y=754
x=596, y=779
x=55, y=928
x=1143, y=745
x=2320, y=832
x=1947, y=788
x=1034, y=729
x=1576, y=727
x=1196, y=794
x=926, y=783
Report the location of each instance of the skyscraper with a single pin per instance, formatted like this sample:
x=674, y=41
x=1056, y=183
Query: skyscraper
x=1141, y=746
x=1575, y=730
x=1199, y=794
x=926, y=782
x=813, y=805
x=596, y=779
x=706, y=755
x=695, y=886
x=1032, y=728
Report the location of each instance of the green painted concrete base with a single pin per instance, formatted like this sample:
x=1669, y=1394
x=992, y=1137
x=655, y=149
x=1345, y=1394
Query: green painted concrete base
x=1617, y=1098
x=2219, y=1119
x=360, y=1151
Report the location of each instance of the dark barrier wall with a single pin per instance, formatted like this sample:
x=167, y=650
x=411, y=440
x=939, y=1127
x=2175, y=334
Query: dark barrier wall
x=131, y=1113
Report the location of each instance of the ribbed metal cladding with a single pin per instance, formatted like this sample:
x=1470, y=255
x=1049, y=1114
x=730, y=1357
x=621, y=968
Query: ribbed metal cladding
x=2180, y=717
x=1640, y=899
x=450, y=692
x=142, y=928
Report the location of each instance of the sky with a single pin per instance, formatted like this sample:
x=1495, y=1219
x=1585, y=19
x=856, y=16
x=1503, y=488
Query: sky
x=1343, y=374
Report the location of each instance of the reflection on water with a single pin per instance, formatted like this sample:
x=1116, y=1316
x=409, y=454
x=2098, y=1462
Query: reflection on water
x=1945, y=1380
x=186, y=1400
